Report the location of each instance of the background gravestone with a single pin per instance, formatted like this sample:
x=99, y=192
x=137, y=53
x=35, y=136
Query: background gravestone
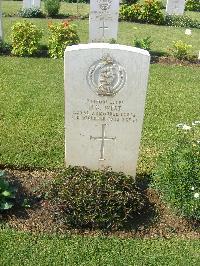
x=103, y=21
x=1, y=26
x=31, y=3
x=104, y=105
x=175, y=7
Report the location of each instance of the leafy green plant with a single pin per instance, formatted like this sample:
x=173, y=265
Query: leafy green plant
x=62, y=35
x=112, y=41
x=52, y=7
x=7, y=193
x=96, y=199
x=5, y=48
x=31, y=13
x=161, y=4
x=177, y=176
x=192, y=5
x=144, y=43
x=130, y=13
x=180, y=49
x=151, y=12
x=25, y=38
x=181, y=21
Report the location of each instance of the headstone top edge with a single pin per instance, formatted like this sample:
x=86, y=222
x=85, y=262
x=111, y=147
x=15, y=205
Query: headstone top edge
x=106, y=46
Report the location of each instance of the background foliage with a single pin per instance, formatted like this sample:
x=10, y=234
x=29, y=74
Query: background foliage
x=52, y=7
x=61, y=36
x=177, y=177
x=25, y=38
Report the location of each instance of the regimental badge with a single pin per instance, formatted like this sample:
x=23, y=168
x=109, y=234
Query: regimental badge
x=106, y=77
x=104, y=4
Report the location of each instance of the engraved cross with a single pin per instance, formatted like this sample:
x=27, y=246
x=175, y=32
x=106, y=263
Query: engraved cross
x=102, y=138
x=103, y=27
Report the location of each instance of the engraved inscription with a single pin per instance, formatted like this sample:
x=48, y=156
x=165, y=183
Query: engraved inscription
x=105, y=111
x=106, y=77
x=103, y=27
x=102, y=138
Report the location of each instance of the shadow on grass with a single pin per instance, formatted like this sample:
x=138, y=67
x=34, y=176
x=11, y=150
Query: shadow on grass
x=69, y=17
x=23, y=200
x=155, y=55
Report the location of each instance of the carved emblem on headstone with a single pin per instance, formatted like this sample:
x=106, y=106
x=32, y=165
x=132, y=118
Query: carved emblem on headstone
x=106, y=77
x=104, y=4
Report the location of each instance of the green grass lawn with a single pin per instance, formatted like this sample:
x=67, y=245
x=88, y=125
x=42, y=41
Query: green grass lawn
x=92, y=251
x=32, y=110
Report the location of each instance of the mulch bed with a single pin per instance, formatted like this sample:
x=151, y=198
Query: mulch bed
x=40, y=216
x=170, y=60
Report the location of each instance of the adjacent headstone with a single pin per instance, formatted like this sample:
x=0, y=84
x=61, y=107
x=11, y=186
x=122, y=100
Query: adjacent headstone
x=103, y=21
x=31, y=3
x=175, y=7
x=104, y=105
x=1, y=26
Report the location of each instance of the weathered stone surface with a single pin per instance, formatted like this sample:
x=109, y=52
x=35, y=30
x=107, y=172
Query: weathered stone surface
x=31, y=3
x=105, y=88
x=175, y=7
x=103, y=22
x=1, y=26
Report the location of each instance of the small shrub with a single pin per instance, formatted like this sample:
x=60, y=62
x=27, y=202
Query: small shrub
x=193, y=5
x=31, y=13
x=96, y=199
x=181, y=21
x=7, y=193
x=177, y=176
x=52, y=7
x=62, y=35
x=130, y=13
x=144, y=43
x=180, y=50
x=151, y=12
x=25, y=38
x=112, y=41
x=161, y=4
x=5, y=48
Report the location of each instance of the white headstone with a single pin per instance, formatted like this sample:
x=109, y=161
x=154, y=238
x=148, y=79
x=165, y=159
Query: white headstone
x=1, y=26
x=31, y=3
x=175, y=7
x=103, y=21
x=104, y=105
